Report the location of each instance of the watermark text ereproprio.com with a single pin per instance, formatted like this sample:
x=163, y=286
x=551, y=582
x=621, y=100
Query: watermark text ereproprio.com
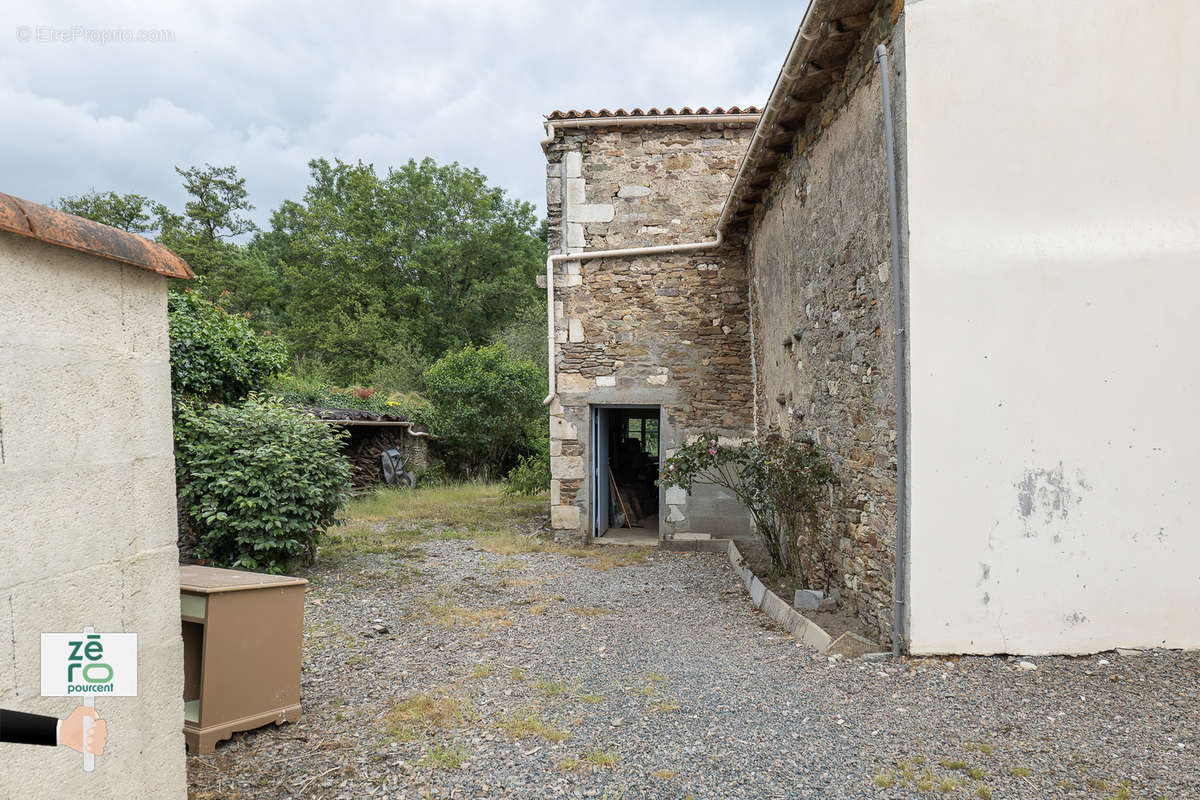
x=70, y=34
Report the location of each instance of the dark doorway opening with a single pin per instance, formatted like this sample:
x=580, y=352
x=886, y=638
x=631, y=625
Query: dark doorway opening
x=626, y=444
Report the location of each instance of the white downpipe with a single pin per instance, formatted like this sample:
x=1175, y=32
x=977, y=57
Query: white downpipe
x=588, y=255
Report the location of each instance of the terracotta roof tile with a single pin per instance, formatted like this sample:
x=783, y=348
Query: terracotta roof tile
x=685, y=111
x=56, y=227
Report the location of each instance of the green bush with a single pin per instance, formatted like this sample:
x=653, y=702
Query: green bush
x=531, y=475
x=258, y=481
x=482, y=406
x=217, y=356
x=778, y=481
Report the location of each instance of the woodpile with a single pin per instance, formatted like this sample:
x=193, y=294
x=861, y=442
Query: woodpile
x=381, y=448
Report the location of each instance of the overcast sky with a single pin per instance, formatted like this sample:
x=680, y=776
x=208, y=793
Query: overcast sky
x=267, y=86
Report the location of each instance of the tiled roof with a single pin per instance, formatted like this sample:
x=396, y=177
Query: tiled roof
x=56, y=227
x=685, y=111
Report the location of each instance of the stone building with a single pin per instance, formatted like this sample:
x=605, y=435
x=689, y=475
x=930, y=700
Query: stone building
x=1041, y=190
x=87, y=491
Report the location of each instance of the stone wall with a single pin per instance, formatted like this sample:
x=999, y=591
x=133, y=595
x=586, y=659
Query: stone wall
x=818, y=256
x=87, y=488
x=668, y=330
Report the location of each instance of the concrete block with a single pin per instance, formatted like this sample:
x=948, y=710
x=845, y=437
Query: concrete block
x=566, y=467
x=851, y=645
x=676, y=496
x=590, y=212
x=555, y=487
x=553, y=191
x=633, y=191
x=561, y=429
x=573, y=163
x=575, y=329
x=573, y=383
x=606, y=380
x=574, y=235
x=576, y=193
x=808, y=598
x=564, y=517
x=688, y=536
x=757, y=591
x=675, y=514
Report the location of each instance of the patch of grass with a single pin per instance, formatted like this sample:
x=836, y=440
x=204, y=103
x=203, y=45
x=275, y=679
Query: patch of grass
x=467, y=505
x=976, y=773
x=589, y=697
x=537, y=609
x=948, y=764
x=926, y=782
x=530, y=724
x=666, y=705
x=420, y=714
x=553, y=688
x=885, y=779
x=371, y=537
x=590, y=611
x=1099, y=784
x=516, y=675
x=947, y=785
x=1020, y=772
x=1122, y=793
x=518, y=583
x=983, y=793
x=482, y=670
x=592, y=758
x=507, y=563
x=443, y=757
x=985, y=748
x=448, y=613
x=664, y=774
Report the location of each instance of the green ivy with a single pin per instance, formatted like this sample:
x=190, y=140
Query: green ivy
x=778, y=481
x=217, y=356
x=258, y=481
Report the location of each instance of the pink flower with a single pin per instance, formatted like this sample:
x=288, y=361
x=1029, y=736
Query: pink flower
x=711, y=443
x=712, y=451
x=671, y=468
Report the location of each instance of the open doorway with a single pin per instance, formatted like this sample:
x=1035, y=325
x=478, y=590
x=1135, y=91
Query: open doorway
x=625, y=455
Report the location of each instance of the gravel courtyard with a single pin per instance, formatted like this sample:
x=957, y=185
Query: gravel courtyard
x=447, y=655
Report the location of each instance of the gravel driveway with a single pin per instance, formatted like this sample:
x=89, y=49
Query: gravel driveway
x=447, y=670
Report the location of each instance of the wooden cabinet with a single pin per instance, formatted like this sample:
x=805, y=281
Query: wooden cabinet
x=242, y=649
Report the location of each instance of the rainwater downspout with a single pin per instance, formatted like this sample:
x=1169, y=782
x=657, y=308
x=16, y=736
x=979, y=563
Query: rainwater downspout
x=899, y=582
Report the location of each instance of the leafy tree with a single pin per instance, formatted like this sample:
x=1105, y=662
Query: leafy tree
x=259, y=482
x=218, y=196
x=483, y=407
x=429, y=256
x=130, y=212
x=215, y=355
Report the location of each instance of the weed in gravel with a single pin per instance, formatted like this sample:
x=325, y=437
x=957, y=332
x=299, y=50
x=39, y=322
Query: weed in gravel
x=664, y=774
x=593, y=758
x=985, y=748
x=885, y=779
x=507, y=564
x=443, y=757
x=553, y=688
x=518, y=583
x=590, y=611
x=1099, y=784
x=948, y=764
x=537, y=609
x=419, y=714
x=926, y=782
x=516, y=675
x=976, y=773
x=947, y=785
x=665, y=705
x=983, y=793
x=449, y=613
x=1020, y=772
x=588, y=697
x=529, y=723
x=482, y=670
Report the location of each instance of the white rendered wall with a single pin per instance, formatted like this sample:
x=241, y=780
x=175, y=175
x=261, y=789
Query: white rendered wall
x=1054, y=209
x=87, y=510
